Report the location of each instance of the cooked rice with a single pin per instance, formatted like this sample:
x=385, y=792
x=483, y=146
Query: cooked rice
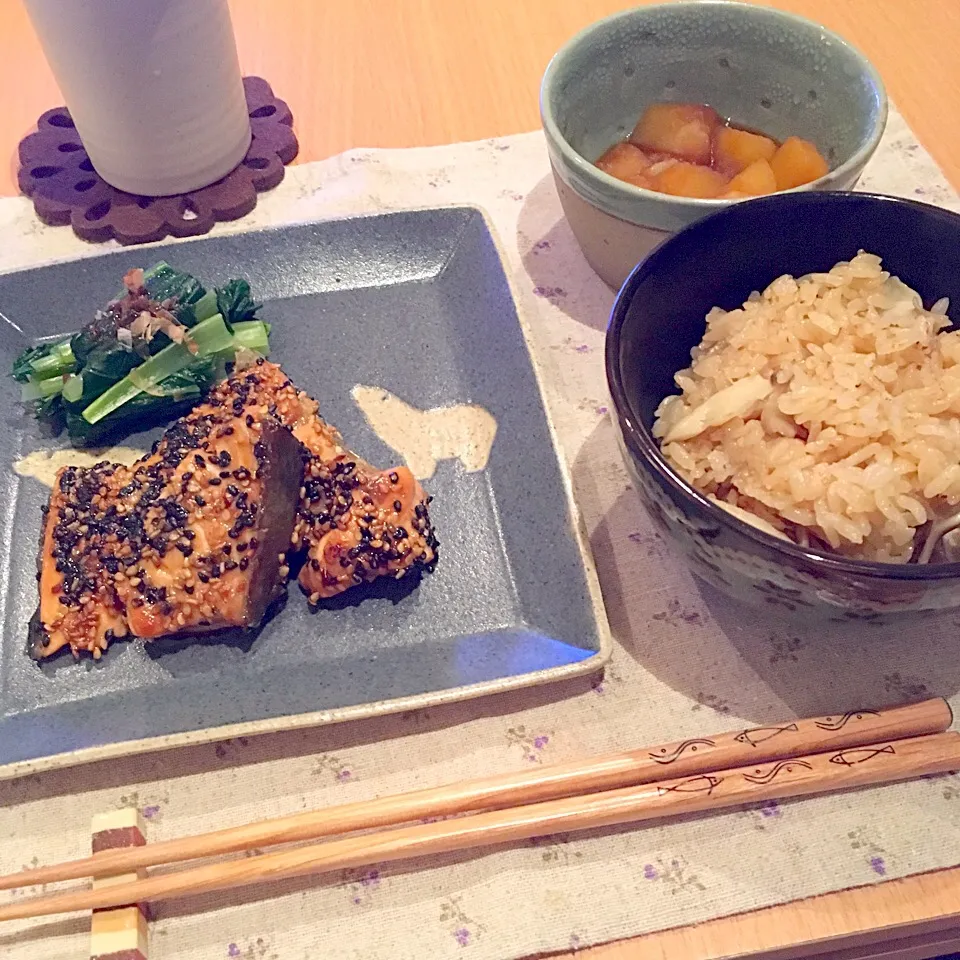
x=843, y=429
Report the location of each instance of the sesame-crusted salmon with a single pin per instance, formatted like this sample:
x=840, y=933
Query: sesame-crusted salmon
x=190, y=538
x=355, y=522
x=196, y=536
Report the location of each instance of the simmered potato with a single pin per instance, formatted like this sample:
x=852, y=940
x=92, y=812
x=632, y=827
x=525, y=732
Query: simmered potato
x=684, y=130
x=690, y=180
x=626, y=162
x=755, y=180
x=688, y=150
x=734, y=150
x=797, y=162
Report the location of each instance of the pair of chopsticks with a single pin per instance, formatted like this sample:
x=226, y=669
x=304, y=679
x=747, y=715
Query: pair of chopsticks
x=798, y=758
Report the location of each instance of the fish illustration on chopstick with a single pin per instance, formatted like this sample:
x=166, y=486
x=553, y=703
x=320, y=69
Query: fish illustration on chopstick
x=760, y=777
x=759, y=735
x=705, y=783
x=691, y=745
x=850, y=758
x=838, y=723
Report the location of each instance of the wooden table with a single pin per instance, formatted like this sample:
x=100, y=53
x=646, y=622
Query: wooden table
x=401, y=73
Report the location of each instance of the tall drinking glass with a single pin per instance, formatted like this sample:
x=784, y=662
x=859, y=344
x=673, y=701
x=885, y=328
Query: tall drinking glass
x=153, y=87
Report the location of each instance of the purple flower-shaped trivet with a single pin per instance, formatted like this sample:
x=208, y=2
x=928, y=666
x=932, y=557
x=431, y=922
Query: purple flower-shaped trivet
x=56, y=173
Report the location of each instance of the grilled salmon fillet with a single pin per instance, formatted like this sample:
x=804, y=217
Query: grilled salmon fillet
x=356, y=523
x=190, y=538
x=196, y=536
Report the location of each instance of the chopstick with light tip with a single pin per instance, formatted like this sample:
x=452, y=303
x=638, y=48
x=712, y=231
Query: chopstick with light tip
x=671, y=760
x=881, y=762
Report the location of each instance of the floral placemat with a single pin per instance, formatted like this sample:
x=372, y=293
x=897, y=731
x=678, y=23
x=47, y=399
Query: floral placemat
x=686, y=663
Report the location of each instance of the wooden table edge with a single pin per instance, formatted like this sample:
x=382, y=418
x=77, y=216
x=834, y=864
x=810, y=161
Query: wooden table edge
x=905, y=919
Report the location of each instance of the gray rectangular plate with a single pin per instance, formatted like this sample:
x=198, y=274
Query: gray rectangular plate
x=417, y=303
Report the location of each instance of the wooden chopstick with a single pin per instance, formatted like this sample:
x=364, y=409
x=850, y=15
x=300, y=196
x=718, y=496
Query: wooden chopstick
x=648, y=765
x=883, y=762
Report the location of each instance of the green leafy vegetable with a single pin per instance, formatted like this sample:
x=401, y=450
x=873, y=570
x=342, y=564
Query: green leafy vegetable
x=23, y=365
x=209, y=337
x=252, y=334
x=106, y=364
x=156, y=349
x=235, y=303
x=206, y=306
x=43, y=361
x=165, y=283
x=41, y=389
x=73, y=388
x=181, y=391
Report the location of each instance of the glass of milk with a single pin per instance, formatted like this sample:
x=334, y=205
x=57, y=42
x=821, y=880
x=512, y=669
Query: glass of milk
x=153, y=87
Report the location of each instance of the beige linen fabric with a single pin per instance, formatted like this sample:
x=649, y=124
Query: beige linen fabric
x=686, y=663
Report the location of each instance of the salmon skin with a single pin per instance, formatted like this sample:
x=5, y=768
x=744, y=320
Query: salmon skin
x=199, y=535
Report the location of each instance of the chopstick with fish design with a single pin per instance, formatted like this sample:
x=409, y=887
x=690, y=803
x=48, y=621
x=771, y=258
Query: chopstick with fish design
x=686, y=757
x=836, y=769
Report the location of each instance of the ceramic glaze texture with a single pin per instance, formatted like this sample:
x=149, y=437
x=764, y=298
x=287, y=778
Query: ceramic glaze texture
x=762, y=68
x=719, y=262
x=513, y=600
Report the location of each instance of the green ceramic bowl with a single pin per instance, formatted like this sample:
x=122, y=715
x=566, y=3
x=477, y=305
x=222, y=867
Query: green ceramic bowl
x=762, y=68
